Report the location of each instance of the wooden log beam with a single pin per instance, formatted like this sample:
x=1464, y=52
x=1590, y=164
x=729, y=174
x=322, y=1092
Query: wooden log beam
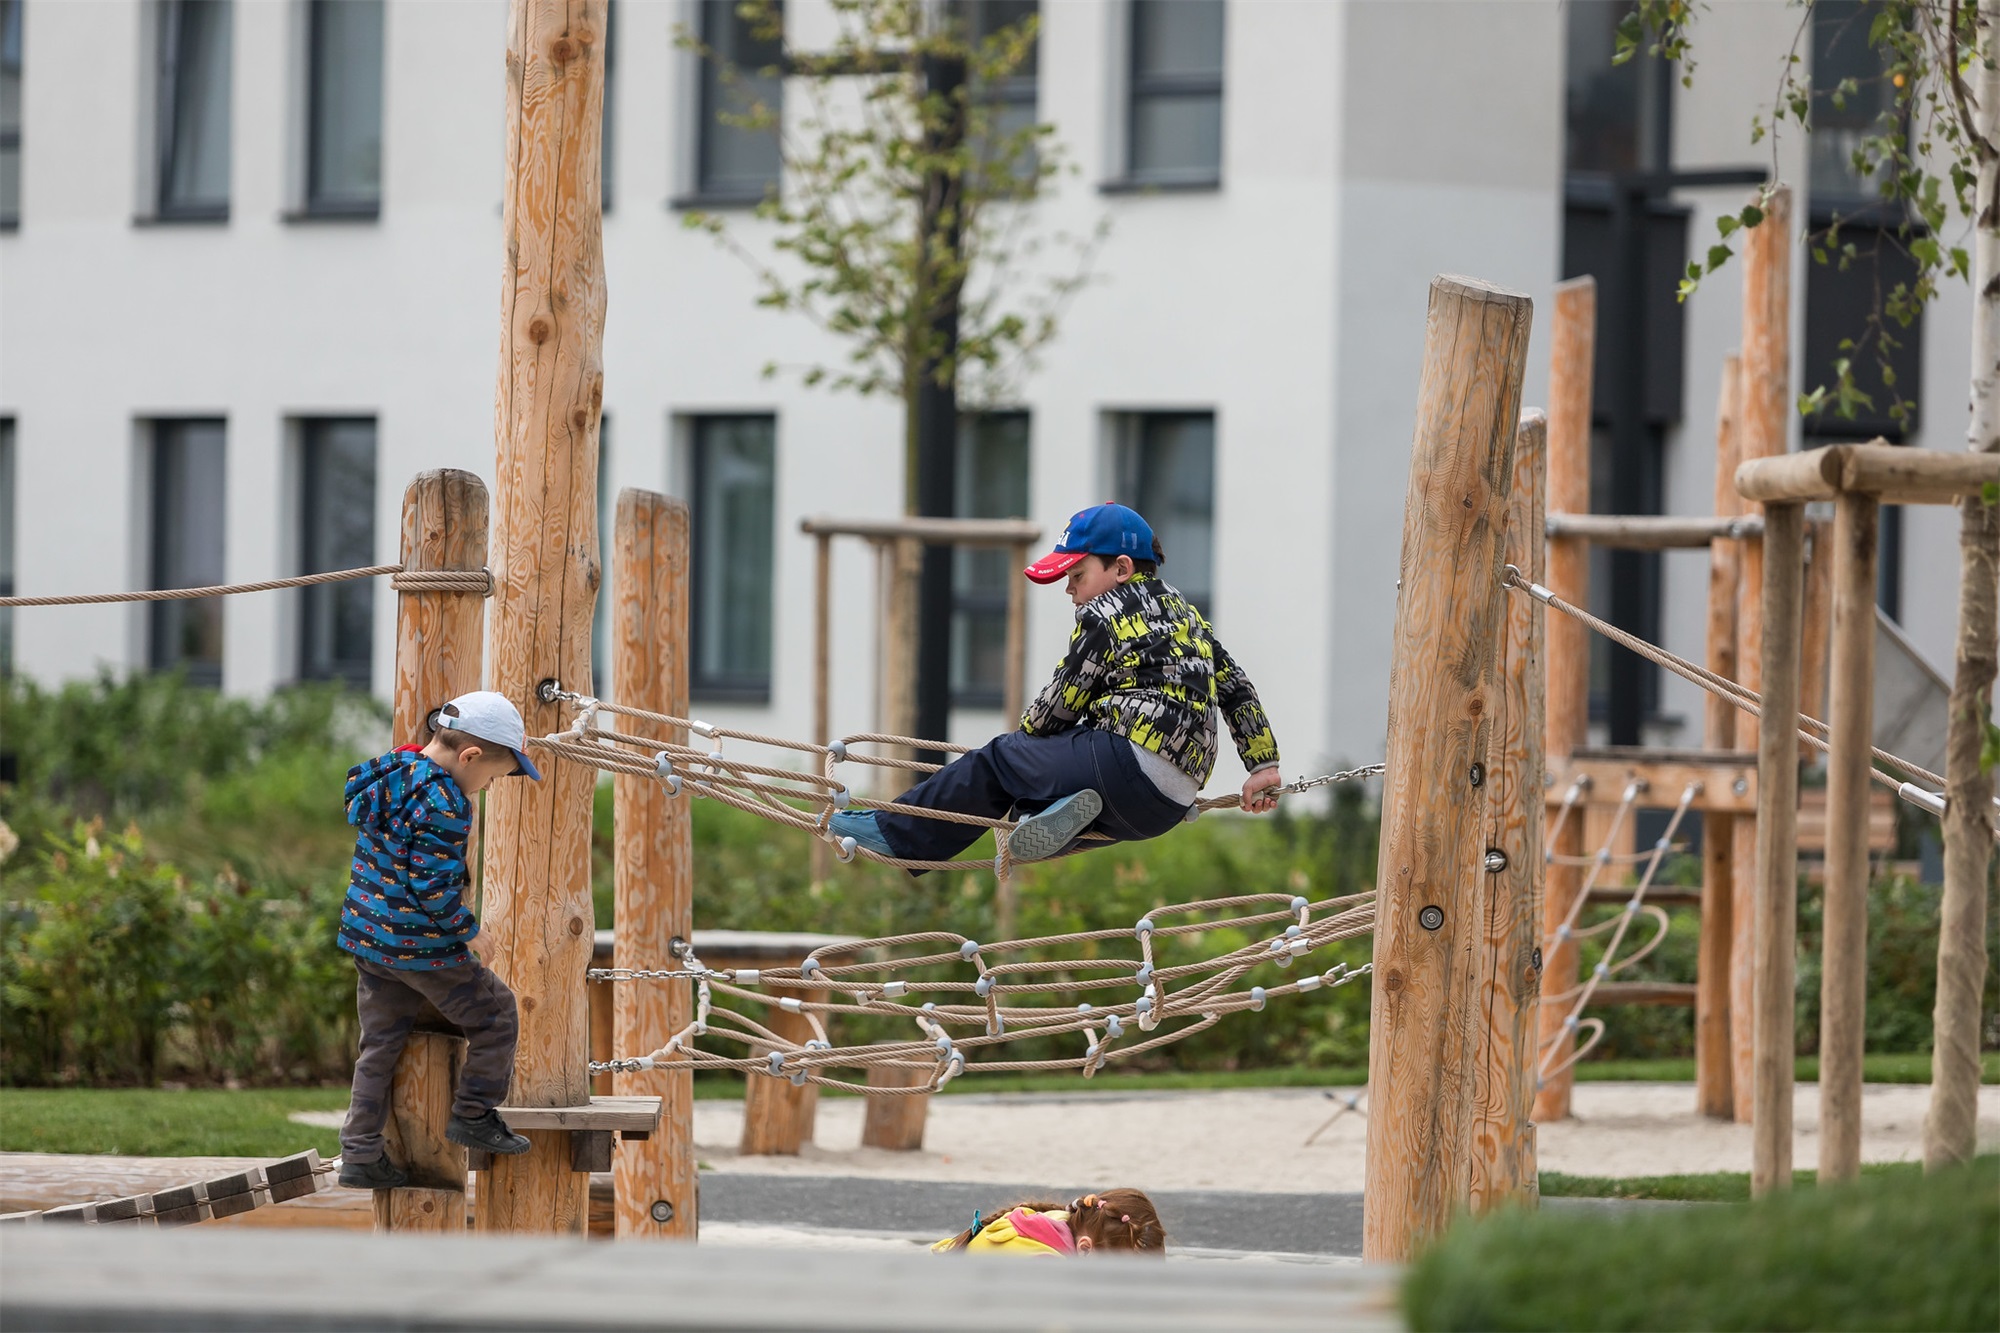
x=1777, y=891
x=438, y=652
x=551, y=390
x=1893, y=474
x=1844, y=974
x=1671, y=993
x=653, y=864
x=1566, y=717
x=1652, y=532
x=935, y=531
x=1764, y=420
x=1450, y=625
x=1509, y=983
x=1712, y=1069
x=1728, y=780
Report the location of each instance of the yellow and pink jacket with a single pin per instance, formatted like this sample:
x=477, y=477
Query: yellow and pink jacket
x=1021, y=1231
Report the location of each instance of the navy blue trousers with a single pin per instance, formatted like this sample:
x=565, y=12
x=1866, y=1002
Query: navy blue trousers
x=1017, y=773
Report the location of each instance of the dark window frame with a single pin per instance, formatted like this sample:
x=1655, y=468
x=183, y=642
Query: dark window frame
x=315, y=206
x=969, y=602
x=1141, y=85
x=10, y=504
x=705, y=189
x=1132, y=442
x=13, y=59
x=360, y=675
x=164, y=618
x=167, y=112
x=723, y=689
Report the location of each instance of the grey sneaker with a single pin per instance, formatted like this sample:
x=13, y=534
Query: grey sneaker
x=380, y=1174
x=1043, y=835
x=489, y=1132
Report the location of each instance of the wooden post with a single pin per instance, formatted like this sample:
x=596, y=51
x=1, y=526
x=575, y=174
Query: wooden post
x=1503, y=1133
x=895, y=1124
x=653, y=1179
x=1765, y=415
x=1844, y=974
x=1713, y=1072
x=822, y=853
x=778, y=1117
x=1566, y=723
x=1816, y=626
x=537, y=885
x=1014, y=696
x=1450, y=625
x=603, y=1035
x=437, y=657
x=1777, y=891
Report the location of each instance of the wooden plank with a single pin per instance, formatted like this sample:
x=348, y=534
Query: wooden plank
x=1777, y=857
x=1727, y=783
x=133, y=1209
x=1880, y=821
x=1894, y=474
x=1844, y=967
x=414, y=1137
x=607, y=1113
x=537, y=906
x=1450, y=627
x=1713, y=1071
x=81, y=1214
x=236, y=1194
x=1653, y=532
x=181, y=1206
x=295, y=1177
x=936, y=531
x=1609, y=993
x=1566, y=719
x=1509, y=984
x=653, y=856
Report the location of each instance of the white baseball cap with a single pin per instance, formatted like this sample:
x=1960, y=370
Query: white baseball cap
x=489, y=716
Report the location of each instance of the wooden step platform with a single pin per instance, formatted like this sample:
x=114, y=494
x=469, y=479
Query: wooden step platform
x=590, y=1128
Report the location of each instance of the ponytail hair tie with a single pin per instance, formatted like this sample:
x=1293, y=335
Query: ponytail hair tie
x=1126, y=1218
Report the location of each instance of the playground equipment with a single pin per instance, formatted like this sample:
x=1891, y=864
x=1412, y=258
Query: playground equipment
x=288, y=1178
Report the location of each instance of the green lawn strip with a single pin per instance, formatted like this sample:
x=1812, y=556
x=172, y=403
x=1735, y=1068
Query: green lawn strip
x=1702, y=1187
x=148, y=1122
x=1895, y=1250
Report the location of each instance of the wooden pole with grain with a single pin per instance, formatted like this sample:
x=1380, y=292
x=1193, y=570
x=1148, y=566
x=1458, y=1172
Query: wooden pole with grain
x=1713, y=1070
x=1844, y=971
x=822, y=852
x=1566, y=724
x=1450, y=626
x=1816, y=626
x=1777, y=883
x=1503, y=1132
x=438, y=637
x=653, y=866
x=1765, y=415
x=537, y=876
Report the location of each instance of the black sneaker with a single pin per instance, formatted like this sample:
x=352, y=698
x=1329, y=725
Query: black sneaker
x=488, y=1132
x=380, y=1174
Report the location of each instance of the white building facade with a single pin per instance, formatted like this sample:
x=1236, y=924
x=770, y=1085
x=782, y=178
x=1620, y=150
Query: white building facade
x=248, y=290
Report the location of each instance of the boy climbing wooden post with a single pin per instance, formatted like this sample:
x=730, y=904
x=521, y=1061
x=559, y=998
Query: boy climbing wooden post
x=1120, y=742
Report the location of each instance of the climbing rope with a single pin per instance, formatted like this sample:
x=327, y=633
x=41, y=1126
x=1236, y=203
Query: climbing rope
x=990, y=995
x=401, y=579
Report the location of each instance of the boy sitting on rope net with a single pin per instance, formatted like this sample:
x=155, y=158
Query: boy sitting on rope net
x=1119, y=743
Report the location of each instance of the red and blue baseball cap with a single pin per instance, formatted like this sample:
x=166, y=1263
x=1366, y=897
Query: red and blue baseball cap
x=1108, y=529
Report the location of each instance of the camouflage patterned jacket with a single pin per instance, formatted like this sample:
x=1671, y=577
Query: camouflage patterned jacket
x=1143, y=664
x=406, y=890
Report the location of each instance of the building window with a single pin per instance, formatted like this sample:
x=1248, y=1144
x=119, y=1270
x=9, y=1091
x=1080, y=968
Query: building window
x=10, y=112
x=736, y=163
x=337, y=531
x=1174, y=129
x=992, y=483
x=188, y=519
x=1011, y=99
x=8, y=507
x=606, y=158
x=193, y=111
x=344, y=148
x=1615, y=117
x=734, y=486
x=1166, y=470
x=1841, y=120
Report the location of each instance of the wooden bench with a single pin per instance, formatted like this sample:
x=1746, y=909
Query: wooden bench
x=777, y=1116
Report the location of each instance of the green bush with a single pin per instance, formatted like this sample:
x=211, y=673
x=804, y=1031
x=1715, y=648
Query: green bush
x=1891, y=1251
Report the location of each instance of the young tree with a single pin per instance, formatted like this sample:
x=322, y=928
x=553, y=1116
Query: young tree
x=904, y=224
x=1935, y=154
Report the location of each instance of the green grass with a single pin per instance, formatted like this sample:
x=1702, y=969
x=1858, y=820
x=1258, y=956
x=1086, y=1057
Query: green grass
x=1895, y=1250
x=148, y=1122
x=1701, y=1187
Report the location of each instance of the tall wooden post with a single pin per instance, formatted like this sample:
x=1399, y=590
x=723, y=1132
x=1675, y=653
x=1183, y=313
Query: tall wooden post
x=1816, y=626
x=1450, y=624
x=437, y=658
x=1713, y=1074
x=822, y=854
x=1844, y=976
x=1766, y=413
x=1503, y=1133
x=1566, y=724
x=653, y=849
x=537, y=879
x=1777, y=882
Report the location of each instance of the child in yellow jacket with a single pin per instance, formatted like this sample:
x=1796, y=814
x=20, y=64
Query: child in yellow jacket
x=1120, y=1219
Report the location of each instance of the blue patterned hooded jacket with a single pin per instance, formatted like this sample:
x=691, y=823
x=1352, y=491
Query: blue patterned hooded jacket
x=405, y=903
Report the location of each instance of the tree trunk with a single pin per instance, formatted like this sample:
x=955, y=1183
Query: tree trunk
x=1949, y=1131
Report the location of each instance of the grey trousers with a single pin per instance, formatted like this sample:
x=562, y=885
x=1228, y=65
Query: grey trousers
x=390, y=1001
